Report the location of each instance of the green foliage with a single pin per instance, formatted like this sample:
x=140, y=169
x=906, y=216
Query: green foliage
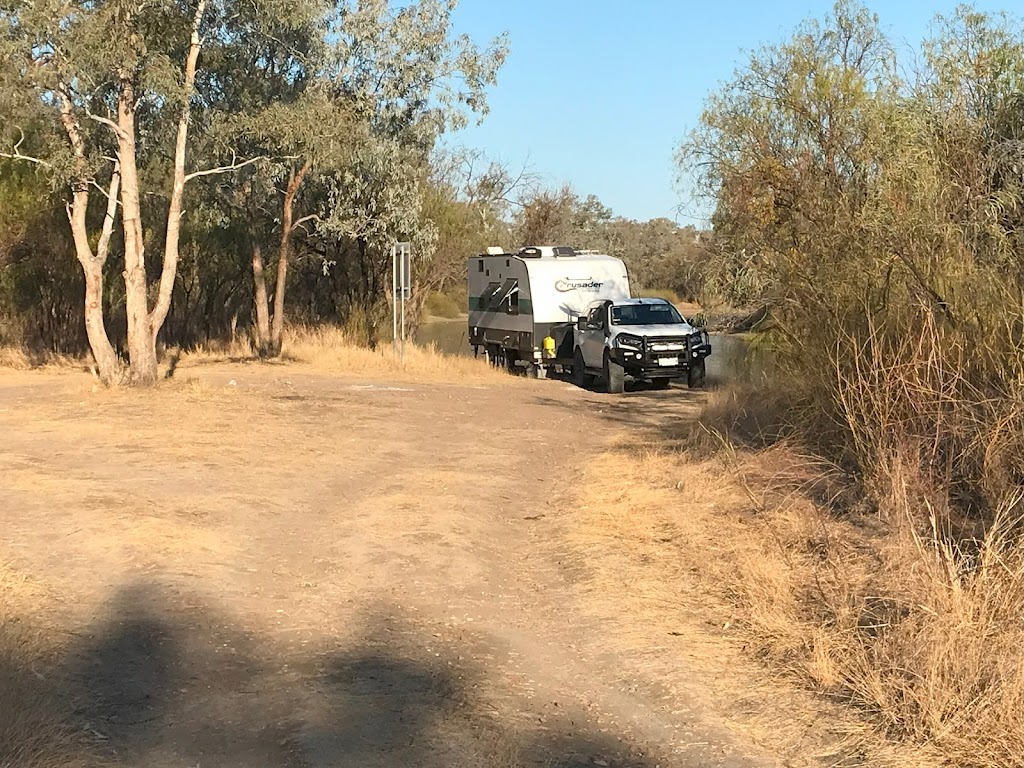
x=658, y=253
x=881, y=219
x=442, y=305
x=359, y=90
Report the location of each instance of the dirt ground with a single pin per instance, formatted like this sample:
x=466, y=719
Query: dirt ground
x=269, y=566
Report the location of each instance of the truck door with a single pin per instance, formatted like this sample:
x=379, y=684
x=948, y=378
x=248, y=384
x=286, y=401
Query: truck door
x=594, y=335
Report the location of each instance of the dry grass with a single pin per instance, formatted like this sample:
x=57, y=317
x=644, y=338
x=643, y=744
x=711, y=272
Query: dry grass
x=328, y=349
x=333, y=350
x=661, y=293
x=14, y=357
x=917, y=632
x=36, y=726
x=21, y=360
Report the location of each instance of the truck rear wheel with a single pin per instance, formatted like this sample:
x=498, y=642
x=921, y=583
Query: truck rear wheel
x=580, y=377
x=614, y=376
x=696, y=375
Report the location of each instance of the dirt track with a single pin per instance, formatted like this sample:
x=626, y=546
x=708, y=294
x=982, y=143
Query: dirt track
x=270, y=568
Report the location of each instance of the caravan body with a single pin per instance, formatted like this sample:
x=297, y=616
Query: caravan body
x=516, y=300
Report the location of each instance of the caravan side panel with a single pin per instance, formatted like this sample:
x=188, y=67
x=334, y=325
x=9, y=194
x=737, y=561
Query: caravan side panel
x=561, y=289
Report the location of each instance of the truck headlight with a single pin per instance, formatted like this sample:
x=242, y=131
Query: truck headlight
x=627, y=341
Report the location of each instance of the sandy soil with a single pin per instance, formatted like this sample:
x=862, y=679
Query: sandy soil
x=262, y=566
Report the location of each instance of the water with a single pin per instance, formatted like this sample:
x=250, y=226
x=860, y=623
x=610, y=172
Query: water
x=732, y=357
x=449, y=336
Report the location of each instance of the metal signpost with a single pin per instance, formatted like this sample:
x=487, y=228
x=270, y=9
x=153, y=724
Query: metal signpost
x=401, y=288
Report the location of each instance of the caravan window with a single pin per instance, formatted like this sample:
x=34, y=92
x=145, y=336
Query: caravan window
x=501, y=297
x=487, y=300
x=506, y=298
x=480, y=266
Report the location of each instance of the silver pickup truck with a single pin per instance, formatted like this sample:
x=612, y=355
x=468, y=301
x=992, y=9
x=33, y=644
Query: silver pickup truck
x=642, y=339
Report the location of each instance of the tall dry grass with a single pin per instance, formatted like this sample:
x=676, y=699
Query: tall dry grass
x=336, y=350
x=20, y=359
x=889, y=570
x=864, y=530
x=916, y=636
x=331, y=349
x=38, y=727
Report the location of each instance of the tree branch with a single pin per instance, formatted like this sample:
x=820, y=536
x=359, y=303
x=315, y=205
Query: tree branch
x=70, y=124
x=224, y=168
x=27, y=158
x=16, y=154
x=102, y=191
x=108, y=220
x=109, y=123
x=304, y=219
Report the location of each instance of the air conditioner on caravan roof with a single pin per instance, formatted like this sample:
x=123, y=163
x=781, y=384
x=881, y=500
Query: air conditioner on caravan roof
x=549, y=251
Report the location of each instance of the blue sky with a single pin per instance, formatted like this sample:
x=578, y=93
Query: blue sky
x=597, y=94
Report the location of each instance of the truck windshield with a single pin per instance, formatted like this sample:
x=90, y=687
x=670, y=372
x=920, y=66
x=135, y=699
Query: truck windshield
x=646, y=314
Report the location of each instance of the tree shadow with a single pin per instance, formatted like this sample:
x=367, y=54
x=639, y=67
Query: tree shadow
x=170, y=680
x=175, y=682
x=401, y=705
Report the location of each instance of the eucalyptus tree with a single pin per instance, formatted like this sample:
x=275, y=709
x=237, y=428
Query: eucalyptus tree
x=348, y=137
x=407, y=79
x=106, y=87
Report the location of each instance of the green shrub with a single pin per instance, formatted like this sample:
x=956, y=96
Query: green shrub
x=442, y=305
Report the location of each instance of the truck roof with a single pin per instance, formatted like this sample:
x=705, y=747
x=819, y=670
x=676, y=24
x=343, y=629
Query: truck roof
x=648, y=300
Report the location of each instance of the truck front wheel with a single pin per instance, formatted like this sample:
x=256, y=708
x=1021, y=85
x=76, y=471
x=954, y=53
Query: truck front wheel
x=614, y=376
x=695, y=376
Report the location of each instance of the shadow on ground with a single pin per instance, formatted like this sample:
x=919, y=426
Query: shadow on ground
x=168, y=680
x=645, y=417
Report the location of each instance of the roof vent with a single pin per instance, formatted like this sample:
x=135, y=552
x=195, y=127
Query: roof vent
x=531, y=252
x=495, y=250
x=563, y=251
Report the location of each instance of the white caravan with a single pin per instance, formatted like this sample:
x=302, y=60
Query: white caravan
x=523, y=306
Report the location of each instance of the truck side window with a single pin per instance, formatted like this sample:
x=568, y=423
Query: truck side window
x=595, y=319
